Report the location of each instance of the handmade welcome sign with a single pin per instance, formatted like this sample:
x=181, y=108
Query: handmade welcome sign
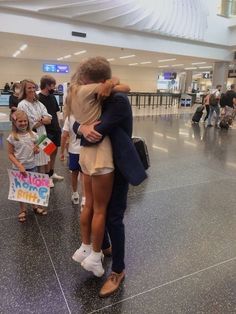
x=32, y=189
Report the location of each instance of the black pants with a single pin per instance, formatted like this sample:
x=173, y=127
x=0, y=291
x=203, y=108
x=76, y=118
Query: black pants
x=115, y=229
x=207, y=110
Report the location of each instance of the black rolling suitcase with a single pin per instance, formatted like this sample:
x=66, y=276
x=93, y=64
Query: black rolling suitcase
x=142, y=151
x=198, y=114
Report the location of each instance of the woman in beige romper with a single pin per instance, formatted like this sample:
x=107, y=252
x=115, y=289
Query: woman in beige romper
x=92, y=80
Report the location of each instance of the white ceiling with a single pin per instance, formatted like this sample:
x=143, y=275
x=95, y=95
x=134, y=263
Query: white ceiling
x=180, y=18
x=106, y=12
x=50, y=50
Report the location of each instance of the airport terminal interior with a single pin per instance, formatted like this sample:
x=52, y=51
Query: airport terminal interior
x=180, y=223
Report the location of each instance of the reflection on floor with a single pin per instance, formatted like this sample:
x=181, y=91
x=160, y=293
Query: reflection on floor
x=180, y=231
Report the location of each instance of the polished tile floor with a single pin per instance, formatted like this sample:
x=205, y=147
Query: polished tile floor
x=180, y=231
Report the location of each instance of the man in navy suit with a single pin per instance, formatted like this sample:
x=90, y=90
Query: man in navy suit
x=116, y=121
x=117, y=114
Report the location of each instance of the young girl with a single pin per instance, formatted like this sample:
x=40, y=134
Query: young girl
x=21, y=149
x=93, y=80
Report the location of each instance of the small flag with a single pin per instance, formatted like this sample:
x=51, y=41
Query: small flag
x=46, y=144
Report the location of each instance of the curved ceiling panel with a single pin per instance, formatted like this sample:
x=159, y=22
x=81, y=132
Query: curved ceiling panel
x=178, y=18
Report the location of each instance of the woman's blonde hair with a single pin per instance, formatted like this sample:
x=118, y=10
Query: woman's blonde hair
x=22, y=94
x=92, y=70
x=18, y=114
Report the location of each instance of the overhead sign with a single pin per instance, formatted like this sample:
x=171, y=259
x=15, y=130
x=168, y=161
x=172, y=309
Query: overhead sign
x=169, y=75
x=206, y=75
x=232, y=73
x=55, y=68
x=62, y=68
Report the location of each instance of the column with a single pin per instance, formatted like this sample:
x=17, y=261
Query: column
x=220, y=74
x=188, y=81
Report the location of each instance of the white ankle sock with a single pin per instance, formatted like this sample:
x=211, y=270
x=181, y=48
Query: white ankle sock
x=96, y=256
x=86, y=247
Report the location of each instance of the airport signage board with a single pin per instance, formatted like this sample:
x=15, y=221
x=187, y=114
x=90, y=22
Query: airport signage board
x=232, y=74
x=55, y=68
x=206, y=75
x=169, y=75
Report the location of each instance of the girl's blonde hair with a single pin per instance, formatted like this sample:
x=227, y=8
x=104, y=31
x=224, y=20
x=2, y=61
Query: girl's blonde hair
x=19, y=114
x=92, y=70
x=22, y=94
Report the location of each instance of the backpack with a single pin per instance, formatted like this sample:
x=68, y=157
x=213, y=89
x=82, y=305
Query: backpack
x=213, y=101
x=223, y=100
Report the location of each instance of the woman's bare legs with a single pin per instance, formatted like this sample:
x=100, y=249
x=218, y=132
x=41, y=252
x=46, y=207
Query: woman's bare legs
x=87, y=213
x=85, y=222
x=101, y=189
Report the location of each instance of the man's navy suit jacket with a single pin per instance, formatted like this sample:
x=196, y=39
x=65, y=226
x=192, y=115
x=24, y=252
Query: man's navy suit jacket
x=117, y=123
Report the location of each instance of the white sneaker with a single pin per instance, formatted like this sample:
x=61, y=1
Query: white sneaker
x=57, y=177
x=83, y=252
x=93, y=263
x=75, y=198
x=51, y=184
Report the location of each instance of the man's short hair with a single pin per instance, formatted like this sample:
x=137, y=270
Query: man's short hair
x=47, y=80
x=232, y=86
x=95, y=69
x=218, y=86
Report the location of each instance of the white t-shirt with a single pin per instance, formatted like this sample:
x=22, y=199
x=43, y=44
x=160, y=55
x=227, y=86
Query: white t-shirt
x=36, y=111
x=74, y=143
x=23, y=149
x=217, y=94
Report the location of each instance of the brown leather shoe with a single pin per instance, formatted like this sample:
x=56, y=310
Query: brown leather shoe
x=112, y=284
x=107, y=252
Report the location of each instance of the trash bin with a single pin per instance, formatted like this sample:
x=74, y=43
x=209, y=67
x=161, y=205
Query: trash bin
x=186, y=100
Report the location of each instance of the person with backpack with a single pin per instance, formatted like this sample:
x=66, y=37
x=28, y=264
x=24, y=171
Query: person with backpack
x=214, y=103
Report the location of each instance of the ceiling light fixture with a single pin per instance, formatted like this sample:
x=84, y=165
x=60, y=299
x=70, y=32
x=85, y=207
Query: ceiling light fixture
x=80, y=52
x=125, y=57
x=166, y=60
x=110, y=59
x=206, y=67
x=67, y=56
x=16, y=53
x=191, y=68
x=133, y=63
x=177, y=65
x=146, y=62
x=163, y=66
x=61, y=58
x=196, y=63
x=23, y=47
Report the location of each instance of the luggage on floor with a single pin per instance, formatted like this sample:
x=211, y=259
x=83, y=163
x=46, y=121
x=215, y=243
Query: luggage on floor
x=142, y=151
x=226, y=122
x=198, y=114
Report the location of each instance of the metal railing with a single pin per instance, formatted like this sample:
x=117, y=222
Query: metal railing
x=143, y=99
